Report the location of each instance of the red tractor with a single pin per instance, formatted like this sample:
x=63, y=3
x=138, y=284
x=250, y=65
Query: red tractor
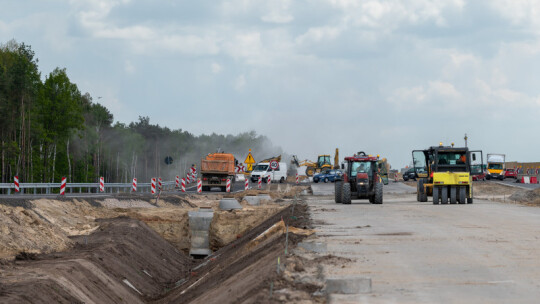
x=364, y=178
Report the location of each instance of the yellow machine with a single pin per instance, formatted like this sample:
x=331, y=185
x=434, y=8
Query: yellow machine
x=323, y=163
x=444, y=173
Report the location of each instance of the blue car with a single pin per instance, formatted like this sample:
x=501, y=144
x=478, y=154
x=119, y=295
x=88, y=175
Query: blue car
x=327, y=176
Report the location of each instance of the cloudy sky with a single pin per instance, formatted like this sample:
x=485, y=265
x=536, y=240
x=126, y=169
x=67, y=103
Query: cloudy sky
x=383, y=76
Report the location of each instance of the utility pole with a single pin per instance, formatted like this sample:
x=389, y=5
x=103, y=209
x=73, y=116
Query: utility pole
x=465, y=139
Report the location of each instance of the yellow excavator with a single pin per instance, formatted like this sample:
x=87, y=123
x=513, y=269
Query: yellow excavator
x=323, y=163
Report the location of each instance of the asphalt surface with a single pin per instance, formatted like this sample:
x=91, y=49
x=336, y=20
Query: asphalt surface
x=415, y=252
x=512, y=182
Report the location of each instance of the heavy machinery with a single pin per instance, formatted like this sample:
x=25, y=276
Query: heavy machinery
x=323, y=163
x=216, y=168
x=363, y=178
x=445, y=173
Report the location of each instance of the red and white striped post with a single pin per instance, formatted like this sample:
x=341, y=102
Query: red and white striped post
x=16, y=183
x=259, y=184
x=101, y=184
x=134, y=185
x=63, y=186
x=297, y=178
x=183, y=185
x=177, y=185
x=193, y=177
x=228, y=188
x=188, y=179
x=199, y=185
x=159, y=183
x=153, y=186
x=246, y=186
x=269, y=180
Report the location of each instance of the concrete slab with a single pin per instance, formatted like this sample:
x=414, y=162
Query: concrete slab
x=253, y=200
x=318, y=247
x=348, y=284
x=229, y=204
x=264, y=197
x=199, y=224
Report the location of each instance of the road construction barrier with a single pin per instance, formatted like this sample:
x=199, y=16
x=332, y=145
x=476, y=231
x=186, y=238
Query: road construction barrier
x=269, y=179
x=525, y=180
x=246, y=185
x=183, y=185
x=153, y=187
x=16, y=183
x=134, y=185
x=297, y=179
x=193, y=176
x=63, y=186
x=159, y=183
x=534, y=180
x=259, y=184
x=188, y=179
x=101, y=184
x=240, y=168
x=228, y=188
x=177, y=183
x=199, y=186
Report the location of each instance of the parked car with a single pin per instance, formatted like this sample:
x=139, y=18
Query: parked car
x=410, y=174
x=510, y=173
x=327, y=176
x=478, y=173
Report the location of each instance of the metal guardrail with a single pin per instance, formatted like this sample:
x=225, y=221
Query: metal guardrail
x=48, y=188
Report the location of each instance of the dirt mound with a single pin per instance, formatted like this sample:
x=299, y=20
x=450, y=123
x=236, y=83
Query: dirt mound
x=490, y=189
x=531, y=197
x=100, y=268
x=23, y=230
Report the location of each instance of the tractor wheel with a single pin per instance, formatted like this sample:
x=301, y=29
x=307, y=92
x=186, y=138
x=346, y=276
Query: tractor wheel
x=346, y=194
x=470, y=199
x=462, y=194
x=453, y=195
x=444, y=195
x=422, y=194
x=310, y=171
x=337, y=191
x=378, y=198
x=326, y=180
x=435, y=195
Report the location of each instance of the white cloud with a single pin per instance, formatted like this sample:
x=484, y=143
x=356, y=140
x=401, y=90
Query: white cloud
x=216, y=68
x=240, y=83
x=278, y=12
x=129, y=67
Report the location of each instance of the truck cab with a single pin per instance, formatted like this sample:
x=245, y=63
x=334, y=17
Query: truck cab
x=495, y=166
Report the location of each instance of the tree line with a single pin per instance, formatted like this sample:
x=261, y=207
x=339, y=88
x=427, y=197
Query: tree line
x=50, y=130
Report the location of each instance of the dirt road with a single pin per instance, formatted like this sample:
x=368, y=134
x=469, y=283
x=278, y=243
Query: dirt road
x=414, y=252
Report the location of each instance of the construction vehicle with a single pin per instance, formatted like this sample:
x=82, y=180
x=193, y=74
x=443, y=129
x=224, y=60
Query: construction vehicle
x=363, y=178
x=495, y=166
x=323, y=163
x=444, y=172
x=216, y=168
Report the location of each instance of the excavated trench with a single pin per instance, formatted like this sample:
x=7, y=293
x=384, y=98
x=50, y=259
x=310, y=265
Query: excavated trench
x=126, y=250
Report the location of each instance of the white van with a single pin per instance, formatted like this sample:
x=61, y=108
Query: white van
x=263, y=169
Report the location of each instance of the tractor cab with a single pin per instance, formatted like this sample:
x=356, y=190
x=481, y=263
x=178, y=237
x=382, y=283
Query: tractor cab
x=445, y=173
x=323, y=162
x=364, y=176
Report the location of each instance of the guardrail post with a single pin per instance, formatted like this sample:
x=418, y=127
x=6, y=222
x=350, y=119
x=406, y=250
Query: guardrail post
x=9, y=191
x=35, y=190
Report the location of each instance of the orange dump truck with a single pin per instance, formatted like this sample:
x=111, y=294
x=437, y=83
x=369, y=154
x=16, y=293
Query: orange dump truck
x=216, y=168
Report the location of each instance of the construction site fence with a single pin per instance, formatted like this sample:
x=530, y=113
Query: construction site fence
x=54, y=188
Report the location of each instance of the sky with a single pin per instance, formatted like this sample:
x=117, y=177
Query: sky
x=385, y=77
